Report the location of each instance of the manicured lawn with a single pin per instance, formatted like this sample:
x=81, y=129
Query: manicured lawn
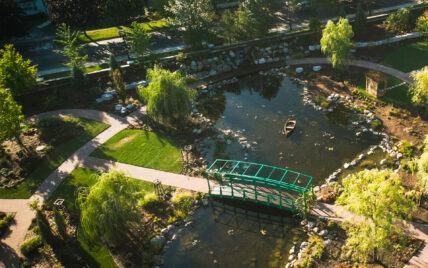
x=94, y=252
x=142, y=148
x=109, y=33
x=54, y=159
x=408, y=58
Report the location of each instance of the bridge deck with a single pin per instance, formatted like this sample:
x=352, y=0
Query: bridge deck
x=258, y=183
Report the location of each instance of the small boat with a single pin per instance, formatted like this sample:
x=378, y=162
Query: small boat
x=289, y=126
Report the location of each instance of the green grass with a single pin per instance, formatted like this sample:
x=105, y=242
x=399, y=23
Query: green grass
x=398, y=96
x=54, y=159
x=142, y=148
x=108, y=33
x=94, y=253
x=408, y=58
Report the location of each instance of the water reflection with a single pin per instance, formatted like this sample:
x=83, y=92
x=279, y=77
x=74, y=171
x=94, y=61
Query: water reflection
x=229, y=234
x=321, y=142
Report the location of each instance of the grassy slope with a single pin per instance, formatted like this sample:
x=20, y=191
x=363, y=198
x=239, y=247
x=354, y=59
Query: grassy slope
x=95, y=254
x=408, y=58
x=142, y=148
x=54, y=158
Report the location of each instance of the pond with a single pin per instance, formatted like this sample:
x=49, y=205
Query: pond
x=257, y=107
x=235, y=235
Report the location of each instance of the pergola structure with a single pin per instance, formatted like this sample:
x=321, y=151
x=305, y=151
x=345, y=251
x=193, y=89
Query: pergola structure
x=376, y=84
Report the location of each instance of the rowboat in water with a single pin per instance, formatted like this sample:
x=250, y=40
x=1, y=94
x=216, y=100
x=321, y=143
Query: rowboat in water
x=289, y=126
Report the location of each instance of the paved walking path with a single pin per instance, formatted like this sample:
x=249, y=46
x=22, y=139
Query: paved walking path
x=357, y=63
x=23, y=214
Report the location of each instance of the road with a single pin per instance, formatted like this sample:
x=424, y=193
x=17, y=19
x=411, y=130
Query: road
x=47, y=60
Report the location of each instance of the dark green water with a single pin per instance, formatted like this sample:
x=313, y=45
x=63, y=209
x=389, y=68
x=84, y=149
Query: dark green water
x=258, y=107
x=230, y=236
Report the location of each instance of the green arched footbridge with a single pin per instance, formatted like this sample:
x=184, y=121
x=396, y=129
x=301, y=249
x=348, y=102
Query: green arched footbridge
x=258, y=183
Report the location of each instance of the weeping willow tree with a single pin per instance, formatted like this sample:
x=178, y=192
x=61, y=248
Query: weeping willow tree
x=109, y=207
x=167, y=96
x=379, y=199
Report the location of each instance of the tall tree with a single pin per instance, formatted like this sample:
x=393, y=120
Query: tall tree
x=16, y=73
x=360, y=24
x=61, y=225
x=119, y=85
x=419, y=89
x=11, y=116
x=139, y=39
x=10, y=19
x=69, y=40
x=114, y=65
x=400, y=21
x=336, y=41
x=117, y=12
x=110, y=206
x=194, y=17
x=379, y=199
x=167, y=96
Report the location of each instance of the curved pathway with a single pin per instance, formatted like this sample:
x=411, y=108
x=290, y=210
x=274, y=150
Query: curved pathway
x=10, y=243
x=356, y=63
x=23, y=214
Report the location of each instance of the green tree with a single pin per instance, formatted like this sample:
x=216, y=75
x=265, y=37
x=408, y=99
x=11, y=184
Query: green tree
x=227, y=22
x=378, y=198
x=119, y=85
x=360, y=24
x=139, y=39
x=399, y=22
x=61, y=225
x=422, y=23
x=110, y=206
x=167, y=96
x=16, y=73
x=422, y=165
x=419, y=89
x=114, y=65
x=77, y=77
x=194, y=16
x=69, y=40
x=11, y=116
x=336, y=41
x=342, y=12
x=314, y=25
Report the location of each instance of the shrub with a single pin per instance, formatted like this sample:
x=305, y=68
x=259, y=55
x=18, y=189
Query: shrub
x=422, y=23
x=376, y=124
x=61, y=225
x=405, y=147
x=325, y=104
x=314, y=25
x=119, y=84
x=319, y=99
x=183, y=203
x=77, y=77
x=313, y=251
x=400, y=21
x=150, y=201
x=29, y=246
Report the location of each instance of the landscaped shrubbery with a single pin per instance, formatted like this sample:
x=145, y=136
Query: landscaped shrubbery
x=30, y=245
x=5, y=222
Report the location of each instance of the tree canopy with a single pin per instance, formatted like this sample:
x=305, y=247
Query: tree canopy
x=400, y=21
x=422, y=23
x=254, y=18
x=336, y=41
x=109, y=207
x=69, y=40
x=360, y=23
x=16, y=73
x=10, y=116
x=167, y=96
x=75, y=13
x=376, y=196
x=139, y=39
x=422, y=166
x=192, y=16
x=419, y=89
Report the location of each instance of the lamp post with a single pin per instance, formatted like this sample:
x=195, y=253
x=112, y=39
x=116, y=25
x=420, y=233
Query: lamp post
x=122, y=33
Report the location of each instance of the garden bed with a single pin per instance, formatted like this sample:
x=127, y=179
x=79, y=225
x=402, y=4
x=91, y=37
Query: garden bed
x=46, y=149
